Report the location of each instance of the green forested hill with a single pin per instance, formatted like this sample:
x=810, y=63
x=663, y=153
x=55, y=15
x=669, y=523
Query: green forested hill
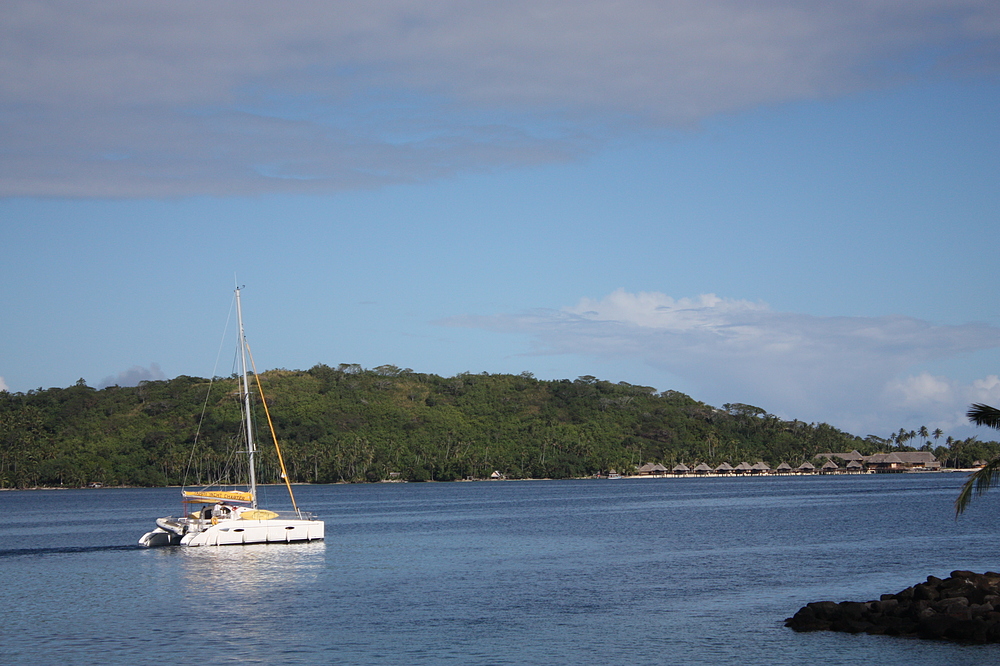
x=351, y=424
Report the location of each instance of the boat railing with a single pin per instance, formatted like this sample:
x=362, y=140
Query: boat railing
x=291, y=515
x=199, y=522
x=300, y=515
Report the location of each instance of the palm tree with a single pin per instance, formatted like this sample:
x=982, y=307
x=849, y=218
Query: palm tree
x=985, y=478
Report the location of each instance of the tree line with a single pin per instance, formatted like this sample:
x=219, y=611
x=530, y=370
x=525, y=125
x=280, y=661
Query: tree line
x=352, y=424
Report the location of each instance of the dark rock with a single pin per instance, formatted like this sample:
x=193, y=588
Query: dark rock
x=960, y=613
x=805, y=620
x=903, y=628
x=964, y=607
x=980, y=609
x=935, y=626
x=910, y=609
x=967, y=630
x=851, y=610
x=889, y=621
x=951, y=602
x=885, y=605
x=804, y=613
x=977, y=596
x=850, y=626
x=825, y=610
x=818, y=625
x=963, y=592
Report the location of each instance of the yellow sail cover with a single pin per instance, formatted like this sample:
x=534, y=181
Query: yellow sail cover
x=258, y=514
x=215, y=495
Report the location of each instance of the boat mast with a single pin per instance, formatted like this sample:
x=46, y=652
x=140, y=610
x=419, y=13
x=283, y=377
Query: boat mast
x=251, y=446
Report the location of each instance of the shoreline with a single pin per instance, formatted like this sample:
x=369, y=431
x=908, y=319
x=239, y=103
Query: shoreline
x=711, y=475
x=786, y=475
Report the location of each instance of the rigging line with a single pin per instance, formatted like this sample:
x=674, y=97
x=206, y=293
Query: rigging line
x=270, y=424
x=208, y=393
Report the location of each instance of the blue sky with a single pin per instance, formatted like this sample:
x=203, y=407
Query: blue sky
x=790, y=205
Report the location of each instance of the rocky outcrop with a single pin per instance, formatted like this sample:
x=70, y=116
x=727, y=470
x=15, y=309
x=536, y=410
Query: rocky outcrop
x=963, y=607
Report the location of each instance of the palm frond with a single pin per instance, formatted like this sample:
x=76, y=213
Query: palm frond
x=984, y=415
x=979, y=482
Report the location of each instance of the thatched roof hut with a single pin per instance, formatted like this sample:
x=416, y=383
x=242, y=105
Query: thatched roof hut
x=724, y=468
x=829, y=467
x=783, y=468
x=902, y=460
x=742, y=468
x=847, y=457
x=702, y=468
x=760, y=467
x=652, y=469
x=806, y=468
x=681, y=469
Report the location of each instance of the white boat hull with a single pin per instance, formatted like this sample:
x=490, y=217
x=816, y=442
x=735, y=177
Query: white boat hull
x=237, y=533
x=159, y=537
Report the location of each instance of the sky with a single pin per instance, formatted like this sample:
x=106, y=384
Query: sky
x=789, y=204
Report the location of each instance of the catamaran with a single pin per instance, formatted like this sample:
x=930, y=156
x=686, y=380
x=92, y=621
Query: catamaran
x=233, y=517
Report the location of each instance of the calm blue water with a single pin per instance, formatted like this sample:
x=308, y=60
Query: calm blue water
x=699, y=571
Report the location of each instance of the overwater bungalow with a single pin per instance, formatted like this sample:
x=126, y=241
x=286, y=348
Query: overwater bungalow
x=902, y=460
x=783, y=468
x=886, y=462
x=742, y=468
x=829, y=467
x=760, y=467
x=702, y=468
x=806, y=468
x=724, y=468
x=681, y=469
x=855, y=467
x=652, y=469
x=897, y=461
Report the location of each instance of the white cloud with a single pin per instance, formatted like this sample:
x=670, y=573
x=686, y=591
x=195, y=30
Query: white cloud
x=133, y=376
x=937, y=401
x=111, y=98
x=842, y=370
x=922, y=390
